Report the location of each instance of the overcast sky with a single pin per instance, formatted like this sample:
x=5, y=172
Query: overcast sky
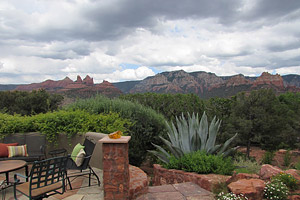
x=119, y=40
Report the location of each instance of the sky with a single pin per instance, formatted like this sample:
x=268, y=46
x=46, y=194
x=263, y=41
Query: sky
x=121, y=40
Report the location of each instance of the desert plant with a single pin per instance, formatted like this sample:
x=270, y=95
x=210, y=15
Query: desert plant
x=287, y=159
x=268, y=157
x=244, y=165
x=289, y=180
x=276, y=190
x=201, y=163
x=192, y=135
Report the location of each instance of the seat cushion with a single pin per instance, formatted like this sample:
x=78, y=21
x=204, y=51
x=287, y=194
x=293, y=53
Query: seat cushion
x=4, y=150
x=76, y=150
x=14, y=151
x=80, y=158
x=24, y=188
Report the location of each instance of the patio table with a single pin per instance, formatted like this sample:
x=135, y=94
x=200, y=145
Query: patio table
x=7, y=166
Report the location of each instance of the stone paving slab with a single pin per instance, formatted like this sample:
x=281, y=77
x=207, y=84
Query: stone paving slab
x=180, y=191
x=161, y=188
x=191, y=189
x=83, y=191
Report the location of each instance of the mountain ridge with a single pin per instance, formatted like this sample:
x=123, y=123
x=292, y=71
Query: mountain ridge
x=207, y=84
x=204, y=84
x=81, y=87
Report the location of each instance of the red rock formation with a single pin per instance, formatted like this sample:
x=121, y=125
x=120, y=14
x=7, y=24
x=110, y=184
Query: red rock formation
x=269, y=79
x=78, y=80
x=209, y=85
x=80, y=86
x=88, y=80
x=107, y=88
x=238, y=80
x=235, y=177
x=267, y=171
x=48, y=85
x=251, y=188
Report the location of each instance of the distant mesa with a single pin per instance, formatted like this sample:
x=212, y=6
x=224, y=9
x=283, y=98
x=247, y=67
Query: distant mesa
x=68, y=86
x=208, y=85
x=203, y=84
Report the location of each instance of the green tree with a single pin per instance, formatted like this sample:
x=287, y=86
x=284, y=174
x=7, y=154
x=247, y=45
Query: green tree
x=28, y=103
x=259, y=118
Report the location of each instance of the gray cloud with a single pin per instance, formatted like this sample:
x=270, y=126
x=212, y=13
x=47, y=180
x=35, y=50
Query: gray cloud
x=96, y=37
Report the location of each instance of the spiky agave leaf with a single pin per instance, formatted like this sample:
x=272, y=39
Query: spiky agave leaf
x=203, y=130
x=184, y=136
x=214, y=149
x=229, y=151
x=212, y=132
x=173, y=134
x=160, y=156
x=174, y=150
x=226, y=144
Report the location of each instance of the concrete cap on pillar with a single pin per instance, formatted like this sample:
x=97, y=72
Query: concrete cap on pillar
x=123, y=139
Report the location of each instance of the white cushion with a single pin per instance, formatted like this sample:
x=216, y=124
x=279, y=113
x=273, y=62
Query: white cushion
x=80, y=158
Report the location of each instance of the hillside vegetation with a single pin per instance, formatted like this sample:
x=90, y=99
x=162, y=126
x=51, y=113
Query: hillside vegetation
x=260, y=118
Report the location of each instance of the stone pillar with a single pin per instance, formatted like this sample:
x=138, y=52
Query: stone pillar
x=115, y=168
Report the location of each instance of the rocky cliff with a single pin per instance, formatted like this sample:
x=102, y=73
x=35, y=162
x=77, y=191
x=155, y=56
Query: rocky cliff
x=85, y=87
x=210, y=85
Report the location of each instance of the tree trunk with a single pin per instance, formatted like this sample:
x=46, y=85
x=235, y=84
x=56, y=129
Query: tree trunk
x=248, y=148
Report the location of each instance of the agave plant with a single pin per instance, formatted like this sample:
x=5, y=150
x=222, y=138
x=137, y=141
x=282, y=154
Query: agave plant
x=192, y=135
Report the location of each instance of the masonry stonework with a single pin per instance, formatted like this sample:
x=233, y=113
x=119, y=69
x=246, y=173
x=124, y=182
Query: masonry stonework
x=115, y=168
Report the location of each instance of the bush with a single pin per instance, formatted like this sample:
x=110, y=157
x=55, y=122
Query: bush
x=170, y=105
x=287, y=159
x=297, y=165
x=268, y=157
x=147, y=124
x=15, y=124
x=68, y=122
x=244, y=165
x=28, y=103
x=289, y=180
x=202, y=163
x=276, y=190
x=230, y=196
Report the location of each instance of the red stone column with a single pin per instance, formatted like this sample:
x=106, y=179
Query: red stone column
x=115, y=168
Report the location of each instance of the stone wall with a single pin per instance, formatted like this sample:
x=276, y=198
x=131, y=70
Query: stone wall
x=164, y=176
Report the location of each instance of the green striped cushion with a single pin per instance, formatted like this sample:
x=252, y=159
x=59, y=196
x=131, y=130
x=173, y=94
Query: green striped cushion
x=14, y=151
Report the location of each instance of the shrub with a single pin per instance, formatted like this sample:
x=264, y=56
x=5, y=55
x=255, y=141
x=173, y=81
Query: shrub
x=74, y=122
x=147, y=124
x=268, y=157
x=14, y=124
x=190, y=135
x=230, y=196
x=290, y=181
x=220, y=187
x=170, y=105
x=202, y=163
x=244, y=165
x=276, y=190
x=297, y=165
x=68, y=122
x=287, y=158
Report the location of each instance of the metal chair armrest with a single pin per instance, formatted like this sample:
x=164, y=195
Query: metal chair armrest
x=16, y=180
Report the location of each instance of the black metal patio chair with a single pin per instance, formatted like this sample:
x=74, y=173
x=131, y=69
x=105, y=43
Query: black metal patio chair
x=85, y=168
x=46, y=178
